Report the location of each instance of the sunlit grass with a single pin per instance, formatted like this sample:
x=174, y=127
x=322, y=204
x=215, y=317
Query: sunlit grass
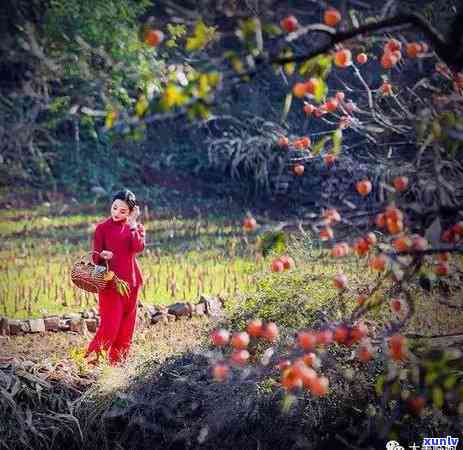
x=183, y=259
x=296, y=298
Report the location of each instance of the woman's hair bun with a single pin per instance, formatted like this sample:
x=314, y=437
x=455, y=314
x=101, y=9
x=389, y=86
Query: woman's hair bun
x=127, y=196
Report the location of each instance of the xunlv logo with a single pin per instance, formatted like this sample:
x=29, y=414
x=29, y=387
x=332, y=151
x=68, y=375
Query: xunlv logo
x=447, y=441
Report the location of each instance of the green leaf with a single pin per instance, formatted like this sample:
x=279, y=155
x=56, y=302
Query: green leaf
x=202, y=35
x=306, y=67
x=177, y=30
x=214, y=78
x=287, y=106
x=203, y=84
x=198, y=110
x=138, y=134
x=287, y=402
x=325, y=63
x=59, y=104
x=319, y=66
x=320, y=90
x=395, y=389
x=289, y=68
x=436, y=129
x=248, y=28
x=447, y=118
x=237, y=64
x=141, y=106
x=271, y=29
x=453, y=148
x=110, y=119
x=206, y=82
x=430, y=377
x=318, y=147
x=437, y=397
x=173, y=96
x=450, y=381
x=337, y=141
x=193, y=43
x=379, y=385
x=273, y=241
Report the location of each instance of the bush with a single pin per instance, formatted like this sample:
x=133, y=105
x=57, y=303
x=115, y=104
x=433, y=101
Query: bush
x=299, y=297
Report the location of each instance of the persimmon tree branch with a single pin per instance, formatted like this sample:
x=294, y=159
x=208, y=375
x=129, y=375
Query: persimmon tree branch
x=447, y=50
x=434, y=336
x=430, y=251
x=405, y=21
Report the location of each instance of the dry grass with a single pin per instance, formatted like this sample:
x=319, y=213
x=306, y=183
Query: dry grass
x=45, y=375
x=155, y=342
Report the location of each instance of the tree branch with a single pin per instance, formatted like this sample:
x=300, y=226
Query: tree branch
x=430, y=251
x=434, y=336
x=448, y=51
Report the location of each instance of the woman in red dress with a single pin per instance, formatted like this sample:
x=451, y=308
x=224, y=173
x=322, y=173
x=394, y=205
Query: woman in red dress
x=117, y=240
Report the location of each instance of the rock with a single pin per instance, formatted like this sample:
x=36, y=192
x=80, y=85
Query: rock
x=199, y=309
x=214, y=305
x=37, y=325
x=14, y=327
x=151, y=310
x=64, y=325
x=51, y=323
x=158, y=318
x=29, y=365
x=91, y=325
x=163, y=316
x=180, y=309
x=4, y=327
x=77, y=325
x=9, y=363
x=25, y=327
x=144, y=316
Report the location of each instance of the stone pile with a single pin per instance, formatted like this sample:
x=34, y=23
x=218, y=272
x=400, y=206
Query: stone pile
x=88, y=321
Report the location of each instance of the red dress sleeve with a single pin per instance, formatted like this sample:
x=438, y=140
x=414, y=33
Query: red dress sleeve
x=138, y=239
x=98, y=245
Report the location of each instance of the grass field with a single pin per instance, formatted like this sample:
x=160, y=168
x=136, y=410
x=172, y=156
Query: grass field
x=183, y=259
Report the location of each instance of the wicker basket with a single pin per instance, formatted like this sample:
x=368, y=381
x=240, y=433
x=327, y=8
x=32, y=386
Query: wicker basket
x=89, y=276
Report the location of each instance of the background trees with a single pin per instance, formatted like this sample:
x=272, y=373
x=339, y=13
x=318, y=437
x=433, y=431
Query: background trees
x=106, y=68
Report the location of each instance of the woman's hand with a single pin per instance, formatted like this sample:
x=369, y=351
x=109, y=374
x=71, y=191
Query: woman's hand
x=133, y=216
x=106, y=254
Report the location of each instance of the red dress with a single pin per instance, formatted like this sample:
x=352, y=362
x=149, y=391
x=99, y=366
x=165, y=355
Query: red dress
x=118, y=313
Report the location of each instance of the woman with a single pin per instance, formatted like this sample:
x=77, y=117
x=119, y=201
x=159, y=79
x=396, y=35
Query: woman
x=117, y=240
